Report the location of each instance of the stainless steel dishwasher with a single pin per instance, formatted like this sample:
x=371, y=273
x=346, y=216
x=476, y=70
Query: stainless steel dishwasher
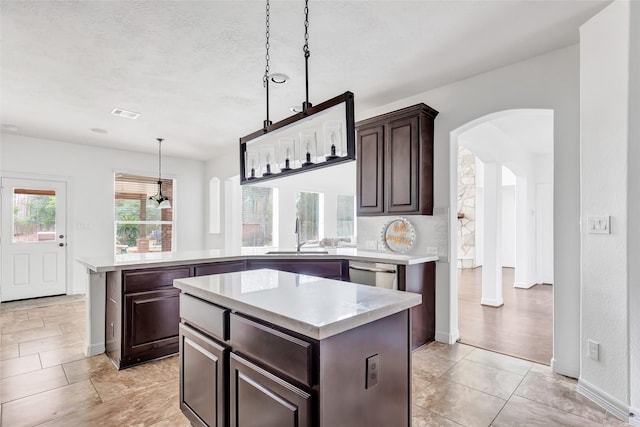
x=374, y=274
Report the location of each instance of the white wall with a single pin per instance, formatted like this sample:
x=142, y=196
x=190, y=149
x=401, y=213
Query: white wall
x=547, y=81
x=90, y=206
x=508, y=226
x=605, y=147
x=633, y=230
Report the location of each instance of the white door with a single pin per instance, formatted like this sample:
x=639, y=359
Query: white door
x=33, y=239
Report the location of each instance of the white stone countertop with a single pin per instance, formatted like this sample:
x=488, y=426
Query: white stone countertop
x=312, y=306
x=148, y=260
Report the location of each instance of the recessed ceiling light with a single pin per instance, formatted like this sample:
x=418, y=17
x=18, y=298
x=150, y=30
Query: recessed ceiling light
x=278, y=77
x=98, y=130
x=10, y=128
x=124, y=113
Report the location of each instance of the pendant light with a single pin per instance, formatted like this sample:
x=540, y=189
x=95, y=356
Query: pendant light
x=161, y=201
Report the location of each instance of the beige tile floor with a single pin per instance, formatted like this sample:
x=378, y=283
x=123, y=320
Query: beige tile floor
x=45, y=379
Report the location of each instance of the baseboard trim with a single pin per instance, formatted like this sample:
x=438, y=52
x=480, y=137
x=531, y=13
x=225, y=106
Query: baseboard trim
x=523, y=285
x=617, y=408
x=563, y=370
x=94, y=349
x=447, y=338
x=492, y=302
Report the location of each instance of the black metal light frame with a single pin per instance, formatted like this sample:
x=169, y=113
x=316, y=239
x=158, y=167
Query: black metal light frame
x=290, y=122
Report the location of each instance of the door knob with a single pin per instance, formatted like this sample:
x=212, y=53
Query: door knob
x=60, y=244
x=61, y=236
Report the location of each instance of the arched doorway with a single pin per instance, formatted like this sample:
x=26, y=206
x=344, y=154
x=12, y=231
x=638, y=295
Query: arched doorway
x=505, y=232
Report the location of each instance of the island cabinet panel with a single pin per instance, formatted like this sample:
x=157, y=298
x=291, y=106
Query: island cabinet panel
x=279, y=378
x=399, y=179
x=328, y=268
x=260, y=399
x=420, y=279
x=209, y=318
x=204, y=371
x=277, y=350
x=348, y=396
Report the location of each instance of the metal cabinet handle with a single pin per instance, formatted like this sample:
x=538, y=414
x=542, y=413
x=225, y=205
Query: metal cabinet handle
x=60, y=244
x=372, y=269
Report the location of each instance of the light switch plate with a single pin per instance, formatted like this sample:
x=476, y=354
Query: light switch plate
x=599, y=225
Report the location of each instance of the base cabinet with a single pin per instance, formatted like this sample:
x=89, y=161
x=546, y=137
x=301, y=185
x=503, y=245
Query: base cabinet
x=246, y=372
x=203, y=372
x=261, y=399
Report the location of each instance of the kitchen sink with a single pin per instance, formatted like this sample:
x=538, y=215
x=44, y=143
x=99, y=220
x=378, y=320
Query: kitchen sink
x=297, y=253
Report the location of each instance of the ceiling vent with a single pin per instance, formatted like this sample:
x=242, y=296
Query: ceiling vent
x=124, y=113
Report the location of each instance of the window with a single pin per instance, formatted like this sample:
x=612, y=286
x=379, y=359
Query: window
x=140, y=226
x=345, y=216
x=308, y=211
x=257, y=216
x=34, y=215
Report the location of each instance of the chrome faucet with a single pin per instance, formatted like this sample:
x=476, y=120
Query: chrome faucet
x=298, y=242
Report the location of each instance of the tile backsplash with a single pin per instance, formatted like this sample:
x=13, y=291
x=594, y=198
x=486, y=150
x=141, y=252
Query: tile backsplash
x=432, y=233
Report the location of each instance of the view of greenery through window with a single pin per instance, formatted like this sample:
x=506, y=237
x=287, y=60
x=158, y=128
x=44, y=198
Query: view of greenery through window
x=308, y=210
x=34, y=215
x=140, y=225
x=257, y=216
x=345, y=212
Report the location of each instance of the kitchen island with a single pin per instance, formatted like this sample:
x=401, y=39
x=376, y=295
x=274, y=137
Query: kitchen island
x=132, y=307
x=293, y=350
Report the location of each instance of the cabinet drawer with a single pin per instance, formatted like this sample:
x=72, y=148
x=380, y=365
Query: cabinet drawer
x=219, y=268
x=206, y=316
x=145, y=280
x=287, y=354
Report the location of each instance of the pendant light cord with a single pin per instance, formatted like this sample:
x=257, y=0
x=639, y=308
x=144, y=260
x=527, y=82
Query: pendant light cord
x=307, y=53
x=160, y=160
x=265, y=78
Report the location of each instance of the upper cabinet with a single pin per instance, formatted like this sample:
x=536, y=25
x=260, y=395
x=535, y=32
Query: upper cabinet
x=394, y=157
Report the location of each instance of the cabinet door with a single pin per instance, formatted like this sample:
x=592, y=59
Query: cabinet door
x=151, y=322
x=203, y=379
x=370, y=170
x=402, y=160
x=260, y=399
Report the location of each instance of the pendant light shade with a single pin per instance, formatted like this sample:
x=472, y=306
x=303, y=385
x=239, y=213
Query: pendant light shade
x=161, y=201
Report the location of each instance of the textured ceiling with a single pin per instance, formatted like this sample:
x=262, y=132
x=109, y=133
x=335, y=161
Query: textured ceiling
x=193, y=69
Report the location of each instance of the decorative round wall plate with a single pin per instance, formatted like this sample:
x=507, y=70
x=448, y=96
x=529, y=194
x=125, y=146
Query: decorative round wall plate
x=398, y=235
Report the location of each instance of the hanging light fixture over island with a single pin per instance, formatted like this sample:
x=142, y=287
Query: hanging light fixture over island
x=316, y=137
x=161, y=201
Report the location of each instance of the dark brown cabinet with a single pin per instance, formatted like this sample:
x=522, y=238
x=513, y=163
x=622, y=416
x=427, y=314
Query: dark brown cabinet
x=261, y=399
x=395, y=162
x=143, y=310
x=142, y=314
x=420, y=279
x=328, y=268
x=204, y=367
x=276, y=377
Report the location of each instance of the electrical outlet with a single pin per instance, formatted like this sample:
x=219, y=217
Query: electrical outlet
x=372, y=245
x=599, y=224
x=594, y=350
x=373, y=371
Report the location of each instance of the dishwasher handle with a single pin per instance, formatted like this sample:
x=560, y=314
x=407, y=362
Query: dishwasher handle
x=372, y=269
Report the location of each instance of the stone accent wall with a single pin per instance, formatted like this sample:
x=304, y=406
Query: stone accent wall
x=466, y=207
